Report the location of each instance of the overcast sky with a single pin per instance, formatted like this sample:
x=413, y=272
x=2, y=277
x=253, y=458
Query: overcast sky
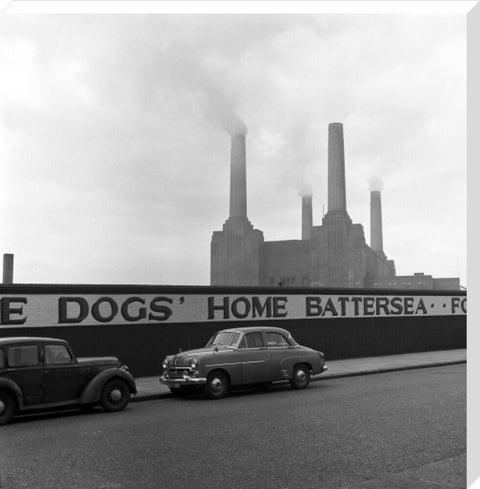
x=114, y=144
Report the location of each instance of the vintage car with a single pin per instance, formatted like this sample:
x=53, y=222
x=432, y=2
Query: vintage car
x=242, y=356
x=43, y=373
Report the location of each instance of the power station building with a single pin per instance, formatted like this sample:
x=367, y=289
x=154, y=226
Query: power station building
x=334, y=254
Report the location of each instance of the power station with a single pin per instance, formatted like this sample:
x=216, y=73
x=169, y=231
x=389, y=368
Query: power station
x=334, y=254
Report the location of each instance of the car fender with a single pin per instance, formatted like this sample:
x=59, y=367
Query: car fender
x=289, y=362
x=93, y=390
x=229, y=362
x=10, y=385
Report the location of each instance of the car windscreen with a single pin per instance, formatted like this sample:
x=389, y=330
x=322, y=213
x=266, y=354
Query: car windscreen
x=224, y=338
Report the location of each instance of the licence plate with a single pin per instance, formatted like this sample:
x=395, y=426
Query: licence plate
x=174, y=385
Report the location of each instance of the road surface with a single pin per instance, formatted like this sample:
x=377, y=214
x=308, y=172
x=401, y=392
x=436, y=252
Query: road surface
x=391, y=431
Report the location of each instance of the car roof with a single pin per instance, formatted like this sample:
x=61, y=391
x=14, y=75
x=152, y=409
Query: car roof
x=267, y=329
x=28, y=339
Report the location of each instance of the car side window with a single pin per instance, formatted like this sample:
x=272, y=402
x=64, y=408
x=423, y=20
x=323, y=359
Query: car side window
x=57, y=355
x=2, y=359
x=23, y=356
x=276, y=339
x=254, y=340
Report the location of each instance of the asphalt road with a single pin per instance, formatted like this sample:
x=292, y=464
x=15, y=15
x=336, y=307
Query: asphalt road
x=393, y=430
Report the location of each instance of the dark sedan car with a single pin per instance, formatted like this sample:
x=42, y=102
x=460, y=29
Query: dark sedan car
x=43, y=373
x=242, y=356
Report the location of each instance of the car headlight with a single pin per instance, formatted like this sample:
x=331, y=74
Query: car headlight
x=165, y=363
x=194, y=363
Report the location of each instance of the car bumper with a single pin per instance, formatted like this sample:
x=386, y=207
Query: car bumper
x=324, y=368
x=183, y=381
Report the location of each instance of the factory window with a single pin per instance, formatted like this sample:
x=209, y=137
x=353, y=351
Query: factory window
x=335, y=239
x=339, y=240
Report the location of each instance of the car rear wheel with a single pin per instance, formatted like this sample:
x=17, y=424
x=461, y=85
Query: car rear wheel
x=115, y=395
x=300, y=377
x=8, y=406
x=217, y=385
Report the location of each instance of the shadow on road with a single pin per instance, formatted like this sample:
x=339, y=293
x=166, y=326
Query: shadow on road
x=237, y=392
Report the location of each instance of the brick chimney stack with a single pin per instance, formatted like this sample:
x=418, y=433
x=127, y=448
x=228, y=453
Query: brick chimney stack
x=376, y=233
x=307, y=219
x=8, y=268
x=238, y=178
x=336, y=168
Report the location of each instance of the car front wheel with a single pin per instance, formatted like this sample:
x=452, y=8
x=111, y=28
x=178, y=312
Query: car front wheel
x=115, y=395
x=8, y=407
x=300, y=377
x=217, y=385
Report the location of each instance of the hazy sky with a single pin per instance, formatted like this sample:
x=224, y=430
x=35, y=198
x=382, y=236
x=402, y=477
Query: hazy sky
x=114, y=150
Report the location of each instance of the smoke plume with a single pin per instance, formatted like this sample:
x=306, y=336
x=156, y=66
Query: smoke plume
x=208, y=83
x=221, y=108
x=375, y=184
x=304, y=189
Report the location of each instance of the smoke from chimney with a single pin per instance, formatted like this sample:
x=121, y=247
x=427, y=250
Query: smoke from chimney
x=208, y=83
x=304, y=189
x=222, y=109
x=234, y=125
x=375, y=184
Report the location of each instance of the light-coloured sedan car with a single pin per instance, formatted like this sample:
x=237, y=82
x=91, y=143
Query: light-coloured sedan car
x=242, y=356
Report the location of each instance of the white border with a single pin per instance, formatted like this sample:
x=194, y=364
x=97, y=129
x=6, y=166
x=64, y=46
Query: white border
x=241, y=7
x=473, y=240
x=359, y=7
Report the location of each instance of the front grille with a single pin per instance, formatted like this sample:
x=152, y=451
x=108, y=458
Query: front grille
x=177, y=373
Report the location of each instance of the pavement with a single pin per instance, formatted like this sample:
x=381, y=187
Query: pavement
x=149, y=388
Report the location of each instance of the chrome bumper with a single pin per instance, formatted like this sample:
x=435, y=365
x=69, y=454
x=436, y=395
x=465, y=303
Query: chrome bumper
x=185, y=380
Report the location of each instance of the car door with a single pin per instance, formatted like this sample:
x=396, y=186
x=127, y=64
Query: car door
x=26, y=370
x=62, y=376
x=278, y=348
x=254, y=359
